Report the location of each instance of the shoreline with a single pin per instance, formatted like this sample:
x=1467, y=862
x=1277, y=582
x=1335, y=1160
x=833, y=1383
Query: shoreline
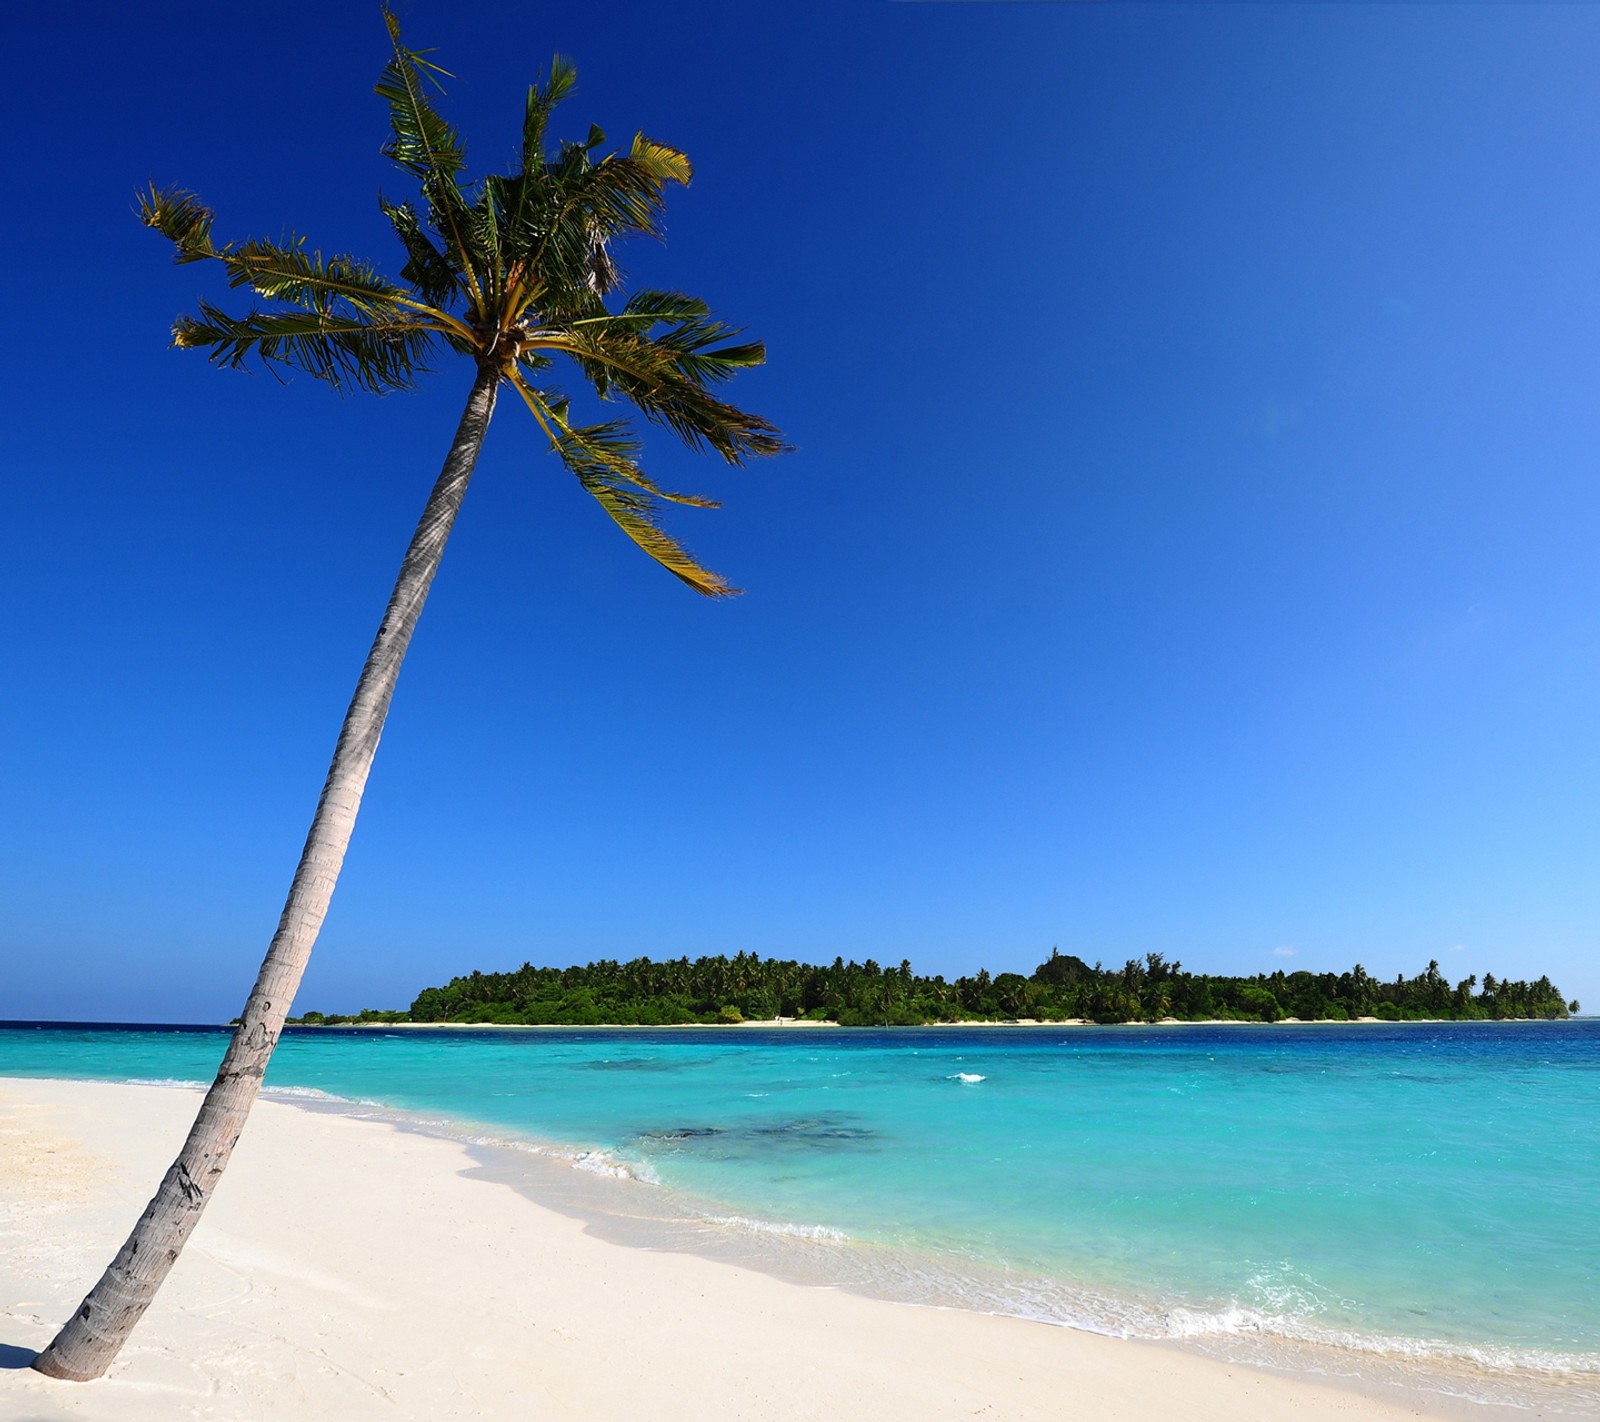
x=786, y=1024
x=331, y=1230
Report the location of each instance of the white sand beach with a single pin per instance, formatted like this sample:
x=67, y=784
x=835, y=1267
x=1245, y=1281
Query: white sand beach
x=348, y=1270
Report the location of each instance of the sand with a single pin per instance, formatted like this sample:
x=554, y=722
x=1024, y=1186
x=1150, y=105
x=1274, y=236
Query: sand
x=347, y=1270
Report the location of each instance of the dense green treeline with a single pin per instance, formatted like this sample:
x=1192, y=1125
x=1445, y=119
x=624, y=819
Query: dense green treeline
x=747, y=987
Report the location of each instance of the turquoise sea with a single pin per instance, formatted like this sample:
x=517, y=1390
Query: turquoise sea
x=1416, y=1203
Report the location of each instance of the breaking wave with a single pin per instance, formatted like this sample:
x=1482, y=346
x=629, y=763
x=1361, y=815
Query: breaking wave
x=772, y=1227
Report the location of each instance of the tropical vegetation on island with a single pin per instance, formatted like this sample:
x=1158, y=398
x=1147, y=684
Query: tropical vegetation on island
x=747, y=987
x=511, y=272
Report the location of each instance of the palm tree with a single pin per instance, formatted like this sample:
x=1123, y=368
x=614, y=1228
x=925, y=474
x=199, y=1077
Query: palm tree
x=512, y=272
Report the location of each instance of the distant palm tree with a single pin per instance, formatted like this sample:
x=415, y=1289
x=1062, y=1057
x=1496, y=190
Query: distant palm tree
x=511, y=272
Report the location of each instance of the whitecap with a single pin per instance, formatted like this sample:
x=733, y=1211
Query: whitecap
x=791, y=1231
x=161, y=1081
x=309, y=1093
x=600, y=1162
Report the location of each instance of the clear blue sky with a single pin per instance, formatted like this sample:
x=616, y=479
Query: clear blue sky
x=1191, y=543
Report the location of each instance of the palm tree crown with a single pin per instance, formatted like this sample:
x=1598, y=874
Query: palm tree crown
x=513, y=271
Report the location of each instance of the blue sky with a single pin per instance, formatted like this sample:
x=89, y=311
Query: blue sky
x=1190, y=543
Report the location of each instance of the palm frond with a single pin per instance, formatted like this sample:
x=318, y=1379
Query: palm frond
x=286, y=271
x=485, y=231
x=428, y=270
x=182, y=219
x=423, y=144
x=601, y=458
x=665, y=164
x=560, y=215
x=692, y=335
x=542, y=99
x=690, y=338
x=569, y=212
x=613, y=442
x=666, y=384
x=420, y=140
x=635, y=514
x=360, y=351
x=615, y=195
x=665, y=305
x=520, y=195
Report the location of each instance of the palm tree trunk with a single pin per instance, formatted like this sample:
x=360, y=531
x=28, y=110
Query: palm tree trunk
x=94, y=1335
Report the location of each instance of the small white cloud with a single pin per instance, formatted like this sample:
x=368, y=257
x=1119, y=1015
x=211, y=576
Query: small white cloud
x=1458, y=947
x=1283, y=952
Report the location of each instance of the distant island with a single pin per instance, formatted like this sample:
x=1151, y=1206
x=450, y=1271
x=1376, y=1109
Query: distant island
x=1063, y=988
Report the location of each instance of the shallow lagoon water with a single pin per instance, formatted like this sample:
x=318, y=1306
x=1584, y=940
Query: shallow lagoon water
x=1426, y=1191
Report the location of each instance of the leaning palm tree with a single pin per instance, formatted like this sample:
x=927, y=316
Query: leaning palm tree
x=513, y=272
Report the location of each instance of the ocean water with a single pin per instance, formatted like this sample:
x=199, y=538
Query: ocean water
x=1416, y=1203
